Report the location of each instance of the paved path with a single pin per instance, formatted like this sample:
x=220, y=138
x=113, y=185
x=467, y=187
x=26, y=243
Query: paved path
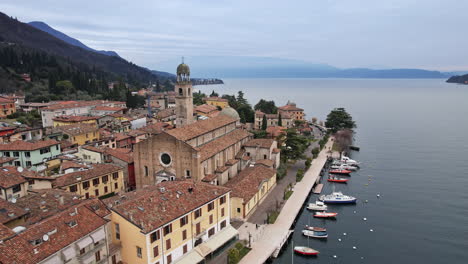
x=273, y=234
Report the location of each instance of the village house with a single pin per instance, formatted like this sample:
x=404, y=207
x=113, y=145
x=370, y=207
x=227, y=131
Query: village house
x=295, y=112
x=7, y=107
x=102, y=110
x=216, y=101
x=78, y=134
x=273, y=120
x=73, y=120
x=33, y=154
x=206, y=110
x=190, y=222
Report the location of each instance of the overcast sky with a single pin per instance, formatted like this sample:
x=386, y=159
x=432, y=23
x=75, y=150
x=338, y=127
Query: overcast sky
x=429, y=34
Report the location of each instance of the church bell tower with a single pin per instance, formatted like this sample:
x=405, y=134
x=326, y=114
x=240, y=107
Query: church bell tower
x=184, y=97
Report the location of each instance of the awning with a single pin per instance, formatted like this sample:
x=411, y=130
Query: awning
x=69, y=253
x=191, y=258
x=217, y=240
x=98, y=235
x=89, y=259
x=84, y=242
x=53, y=260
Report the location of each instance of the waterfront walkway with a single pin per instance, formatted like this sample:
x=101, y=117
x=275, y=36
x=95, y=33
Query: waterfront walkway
x=273, y=234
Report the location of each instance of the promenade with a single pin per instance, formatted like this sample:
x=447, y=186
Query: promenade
x=274, y=234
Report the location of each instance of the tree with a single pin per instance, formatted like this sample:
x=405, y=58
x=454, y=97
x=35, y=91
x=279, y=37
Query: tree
x=264, y=122
x=339, y=119
x=299, y=123
x=267, y=107
x=280, y=120
x=240, y=98
x=65, y=87
x=259, y=133
x=214, y=94
x=246, y=114
x=198, y=98
x=294, y=145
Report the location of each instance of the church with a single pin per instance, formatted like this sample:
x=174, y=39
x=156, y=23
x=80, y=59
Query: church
x=214, y=150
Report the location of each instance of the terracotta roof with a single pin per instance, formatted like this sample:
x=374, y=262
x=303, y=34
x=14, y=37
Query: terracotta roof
x=136, y=133
x=108, y=108
x=121, y=155
x=69, y=118
x=10, y=211
x=93, y=148
x=275, y=130
x=28, y=145
x=4, y=160
x=70, y=164
x=267, y=162
x=71, y=104
x=6, y=100
x=209, y=177
x=231, y=162
x=276, y=150
x=19, y=249
x=156, y=128
x=245, y=185
x=200, y=127
x=79, y=176
x=165, y=113
x=246, y=158
x=259, y=142
x=5, y=232
x=214, y=98
x=121, y=136
x=222, y=169
x=28, y=174
x=290, y=107
x=152, y=207
x=10, y=177
x=215, y=146
x=77, y=129
x=64, y=144
x=205, y=108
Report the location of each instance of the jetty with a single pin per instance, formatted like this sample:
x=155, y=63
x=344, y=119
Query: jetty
x=275, y=235
x=318, y=188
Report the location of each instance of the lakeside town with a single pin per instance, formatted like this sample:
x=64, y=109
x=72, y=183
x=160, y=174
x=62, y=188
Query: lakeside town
x=184, y=179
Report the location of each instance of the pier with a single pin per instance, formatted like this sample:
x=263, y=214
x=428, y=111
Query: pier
x=275, y=235
x=318, y=188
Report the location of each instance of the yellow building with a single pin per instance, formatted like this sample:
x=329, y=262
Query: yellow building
x=216, y=101
x=99, y=180
x=66, y=120
x=80, y=134
x=171, y=222
x=249, y=188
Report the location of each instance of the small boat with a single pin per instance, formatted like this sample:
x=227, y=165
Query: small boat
x=307, y=251
x=337, y=198
x=348, y=160
x=325, y=215
x=317, y=206
x=314, y=228
x=344, y=167
x=340, y=171
x=356, y=148
x=315, y=234
x=337, y=179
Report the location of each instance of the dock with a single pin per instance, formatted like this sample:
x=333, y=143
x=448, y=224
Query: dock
x=276, y=234
x=318, y=188
x=278, y=249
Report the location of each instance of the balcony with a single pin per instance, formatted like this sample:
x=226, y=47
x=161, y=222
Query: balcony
x=90, y=253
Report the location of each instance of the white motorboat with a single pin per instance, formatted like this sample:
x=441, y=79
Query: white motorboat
x=337, y=198
x=315, y=234
x=317, y=206
x=347, y=160
x=344, y=167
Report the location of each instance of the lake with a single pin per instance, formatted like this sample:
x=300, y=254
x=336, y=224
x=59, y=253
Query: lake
x=413, y=136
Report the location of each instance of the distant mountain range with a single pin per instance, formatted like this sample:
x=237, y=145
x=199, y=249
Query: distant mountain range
x=72, y=41
x=261, y=67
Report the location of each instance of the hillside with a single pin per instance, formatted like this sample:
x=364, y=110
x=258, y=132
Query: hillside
x=461, y=79
x=72, y=41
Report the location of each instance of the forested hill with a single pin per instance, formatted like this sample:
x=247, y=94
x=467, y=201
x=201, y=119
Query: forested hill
x=462, y=79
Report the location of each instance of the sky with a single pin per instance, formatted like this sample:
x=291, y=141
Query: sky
x=426, y=34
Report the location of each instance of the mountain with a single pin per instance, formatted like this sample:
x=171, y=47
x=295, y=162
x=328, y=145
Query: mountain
x=265, y=67
x=46, y=28
x=462, y=79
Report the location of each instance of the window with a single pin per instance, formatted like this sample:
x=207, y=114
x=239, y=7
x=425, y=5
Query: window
x=31, y=182
x=17, y=163
x=27, y=154
x=28, y=164
x=198, y=213
x=248, y=154
x=238, y=209
x=105, y=189
x=73, y=188
x=264, y=156
x=115, y=175
x=184, y=249
x=167, y=229
x=169, y=259
x=139, y=253
x=184, y=234
x=15, y=154
x=211, y=219
x=166, y=159
x=197, y=229
x=6, y=154
x=86, y=195
x=82, y=251
x=105, y=178
x=95, y=181
x=222, y=212
x=210, y=206
x=154, y=236
x=17, y=188
x=222, y=200
x=44, y=150
x=114, y=259
x=187, y=174
x=146, y=171
x=116, y=185
x=181, y=92
x=98, y=255
x=155, y=251
x=211, y=232
x=96, y=193
x=183, y=220
x=117, y=231
x=168, y=244
x=223, y=224
x=86, y=184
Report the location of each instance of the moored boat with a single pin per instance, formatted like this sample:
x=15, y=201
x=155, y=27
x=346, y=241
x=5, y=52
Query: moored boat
x=314, y=228
x=337, y=179
x=307, y=251
x=337, y=198
x=325, y=215
x=317, y=206
x=348, y=160
x=343, y=167
x=315, y=234
x=337, y=171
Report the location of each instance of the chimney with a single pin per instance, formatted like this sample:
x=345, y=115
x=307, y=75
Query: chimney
x=61, y=200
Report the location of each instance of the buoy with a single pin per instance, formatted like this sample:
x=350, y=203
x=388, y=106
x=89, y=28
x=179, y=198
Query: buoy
x=366, y=184
x=362, y=257
x=354, y=211
x=339, y=239
x=354, y=248
x=378, y=195
x=372, y=230
x=367, y=201
x=344, y=234
x=365, y=219
x=334, y=256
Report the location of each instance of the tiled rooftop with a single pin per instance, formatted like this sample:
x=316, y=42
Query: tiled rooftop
x=10, y=177
x=259, y=142
x=205, y=108
x=77, y=129
x=200, y=127
x=28, y=145
x=69, y=118
x=245, y=185
x=215, y=146
x=79, y=176
x=10, y=211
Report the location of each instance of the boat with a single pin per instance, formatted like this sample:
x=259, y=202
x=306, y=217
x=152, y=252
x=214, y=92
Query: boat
x=337, y=198
x=314, y=228
x=307, y=251
x=317, y=206
x=315, y=234
x=325, y=215
x=337, y=179
x=348, y=160
x=356, y=148
x=344, y=167
x=338, y=171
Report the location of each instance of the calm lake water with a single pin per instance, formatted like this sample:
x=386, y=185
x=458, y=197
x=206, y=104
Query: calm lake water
x=413, y=136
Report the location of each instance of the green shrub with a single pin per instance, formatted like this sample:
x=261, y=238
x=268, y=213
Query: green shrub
x=308, y=163
x=239, y=246
x=233, y=256
x=299, y=175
